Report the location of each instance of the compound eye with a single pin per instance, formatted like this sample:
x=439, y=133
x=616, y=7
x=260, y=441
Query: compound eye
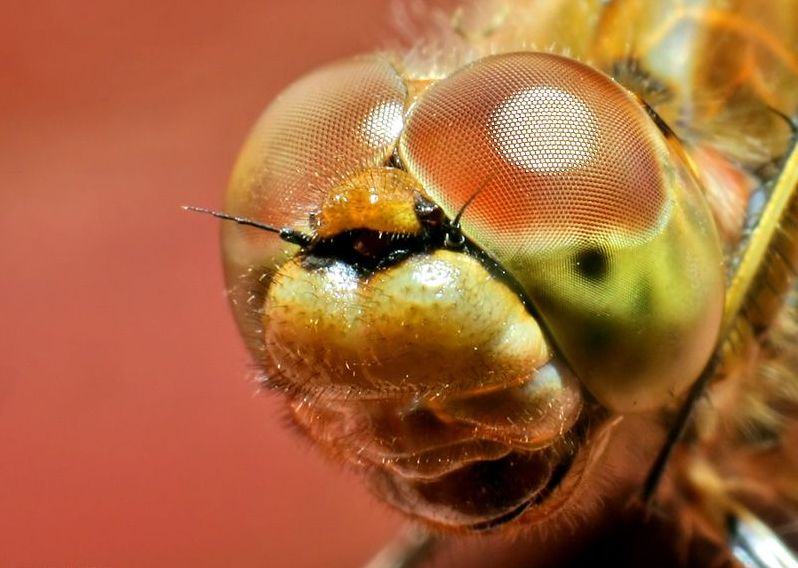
x=588, y=205
x=333, y=123
x=553, y=147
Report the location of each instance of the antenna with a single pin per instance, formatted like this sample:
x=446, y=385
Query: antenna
x=285, y=233
x=454, y=238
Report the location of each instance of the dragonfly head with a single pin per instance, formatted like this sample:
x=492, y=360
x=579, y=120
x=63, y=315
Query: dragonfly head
x=499, y=265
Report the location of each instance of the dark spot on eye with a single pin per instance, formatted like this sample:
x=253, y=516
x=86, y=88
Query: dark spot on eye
x=591, y=263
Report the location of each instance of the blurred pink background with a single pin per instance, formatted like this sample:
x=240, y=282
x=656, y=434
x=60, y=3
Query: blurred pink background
x=129, y=433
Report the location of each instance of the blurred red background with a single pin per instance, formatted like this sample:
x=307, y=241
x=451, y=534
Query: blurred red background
x=129, y=432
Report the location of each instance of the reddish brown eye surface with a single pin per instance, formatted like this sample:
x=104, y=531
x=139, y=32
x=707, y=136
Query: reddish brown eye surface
x=333, y=123
x=559, y=154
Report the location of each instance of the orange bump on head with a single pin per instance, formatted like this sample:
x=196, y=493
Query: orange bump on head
x=380, y=199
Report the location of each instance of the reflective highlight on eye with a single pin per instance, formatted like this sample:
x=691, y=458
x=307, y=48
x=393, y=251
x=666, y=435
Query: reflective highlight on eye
x=383, y=123
x=545, y=129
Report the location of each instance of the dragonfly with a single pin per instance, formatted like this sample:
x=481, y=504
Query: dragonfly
x=547, y=244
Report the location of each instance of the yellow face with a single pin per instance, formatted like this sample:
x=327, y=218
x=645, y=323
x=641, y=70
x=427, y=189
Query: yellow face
x=502, y=260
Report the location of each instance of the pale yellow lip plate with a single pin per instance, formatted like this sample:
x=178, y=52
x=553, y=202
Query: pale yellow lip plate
x=434, y=325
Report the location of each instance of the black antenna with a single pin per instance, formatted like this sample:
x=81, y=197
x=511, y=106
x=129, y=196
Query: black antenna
x=454, y=238
x=287, y=234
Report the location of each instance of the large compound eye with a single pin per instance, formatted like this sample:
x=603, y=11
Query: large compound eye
x=328, y=126
x=580, y=196
x=333, y=123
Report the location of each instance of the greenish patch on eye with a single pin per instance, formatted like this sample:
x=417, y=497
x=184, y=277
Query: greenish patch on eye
x=592, y=263
x=644, y=297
